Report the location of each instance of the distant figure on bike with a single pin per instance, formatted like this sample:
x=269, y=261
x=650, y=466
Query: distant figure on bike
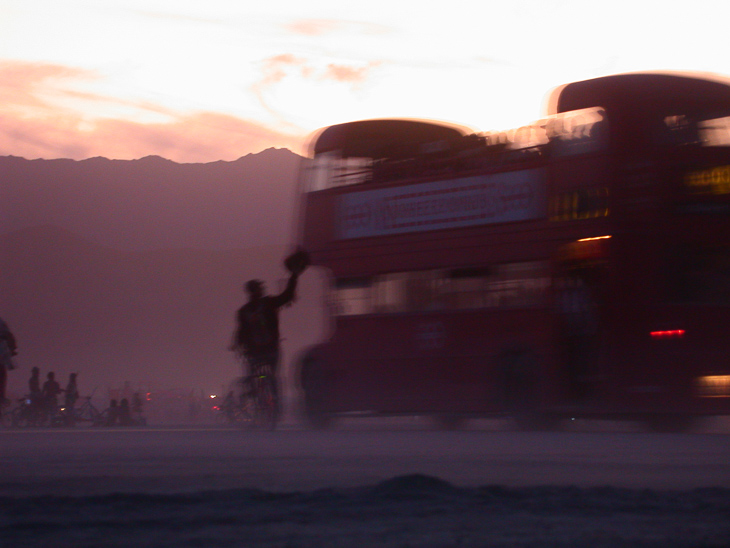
x=112, y=414
x=49, y=393
x=71, y=392
x=125, y=413
x=257, y=334
x=71, y=396
x=34, y=395
x=34, y=386
x=138, y=409
x=8, y=349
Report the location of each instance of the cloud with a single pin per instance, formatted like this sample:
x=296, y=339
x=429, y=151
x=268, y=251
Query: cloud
x=278, y=68
x=282, y=69
x=198, y=137
x=25, y=84
x=348, y=74
x=34, y=125
x=322, y=27
x=49, y=111
x=313, y=27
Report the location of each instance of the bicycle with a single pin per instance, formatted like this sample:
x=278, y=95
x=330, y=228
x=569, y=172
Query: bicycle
x=26, y=414
x=86, y=412
x=258, y=404
x=231, y=410
x=265, y=398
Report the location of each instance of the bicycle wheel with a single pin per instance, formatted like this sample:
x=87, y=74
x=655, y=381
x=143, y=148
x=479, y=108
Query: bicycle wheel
x=4, y=414
x=245, y=412
x=266, y=405
x=20, y=417
x=88, y=413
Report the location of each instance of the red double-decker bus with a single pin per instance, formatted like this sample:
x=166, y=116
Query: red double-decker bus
x=575, y=267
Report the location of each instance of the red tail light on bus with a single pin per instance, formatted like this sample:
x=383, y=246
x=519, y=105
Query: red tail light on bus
x=668, y=334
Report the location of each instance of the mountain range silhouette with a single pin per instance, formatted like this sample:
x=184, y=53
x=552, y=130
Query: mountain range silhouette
x=152, y=202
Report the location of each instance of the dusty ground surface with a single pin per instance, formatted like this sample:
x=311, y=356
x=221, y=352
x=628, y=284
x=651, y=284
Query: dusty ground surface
x=364, y=484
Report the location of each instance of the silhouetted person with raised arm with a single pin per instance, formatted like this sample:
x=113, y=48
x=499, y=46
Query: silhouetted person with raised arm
x=8, y=349
x=257, y=336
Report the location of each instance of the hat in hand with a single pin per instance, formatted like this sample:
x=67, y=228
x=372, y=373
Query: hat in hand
x=297, y=262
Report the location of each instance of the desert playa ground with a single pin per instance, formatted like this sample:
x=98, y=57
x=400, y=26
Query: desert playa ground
x=365, y=482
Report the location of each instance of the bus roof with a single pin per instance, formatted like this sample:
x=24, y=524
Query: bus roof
x=382, y=138
x=650, y=94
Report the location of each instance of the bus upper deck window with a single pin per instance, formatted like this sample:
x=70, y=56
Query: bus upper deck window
x=329, y=169
x=680, y=129
x=715, y=132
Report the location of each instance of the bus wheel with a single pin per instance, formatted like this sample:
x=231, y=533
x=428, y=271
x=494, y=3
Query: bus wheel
x=521, y=383
x=314, y=384
x=671, y=423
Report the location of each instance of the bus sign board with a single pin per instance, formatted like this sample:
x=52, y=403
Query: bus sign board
x=449, y=203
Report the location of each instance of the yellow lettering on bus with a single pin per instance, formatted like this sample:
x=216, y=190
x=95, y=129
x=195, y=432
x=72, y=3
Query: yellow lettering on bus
x=714, y=180
x=589, y=203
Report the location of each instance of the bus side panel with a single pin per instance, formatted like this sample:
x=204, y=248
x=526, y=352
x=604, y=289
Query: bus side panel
x=446, y=363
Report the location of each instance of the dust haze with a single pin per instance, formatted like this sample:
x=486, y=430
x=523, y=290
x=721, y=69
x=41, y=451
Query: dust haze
x=130, y=272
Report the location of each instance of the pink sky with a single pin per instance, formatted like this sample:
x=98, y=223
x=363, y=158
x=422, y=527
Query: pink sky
x=216, y=80
x=35, y=127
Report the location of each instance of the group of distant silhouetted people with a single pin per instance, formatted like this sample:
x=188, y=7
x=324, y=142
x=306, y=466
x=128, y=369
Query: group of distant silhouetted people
x=42, y=404
x=45, y=405
x=43, y=400
x=123, y=414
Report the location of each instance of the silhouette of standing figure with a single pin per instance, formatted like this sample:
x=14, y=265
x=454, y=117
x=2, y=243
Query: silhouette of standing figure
x=112, y=414
x=125, y=413
x=34, y=386
x=72, y=392
x=8, y=349
x=138, y=409
x=49, y=393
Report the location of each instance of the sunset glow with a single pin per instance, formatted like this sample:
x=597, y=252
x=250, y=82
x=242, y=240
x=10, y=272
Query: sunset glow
x=216, y=80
